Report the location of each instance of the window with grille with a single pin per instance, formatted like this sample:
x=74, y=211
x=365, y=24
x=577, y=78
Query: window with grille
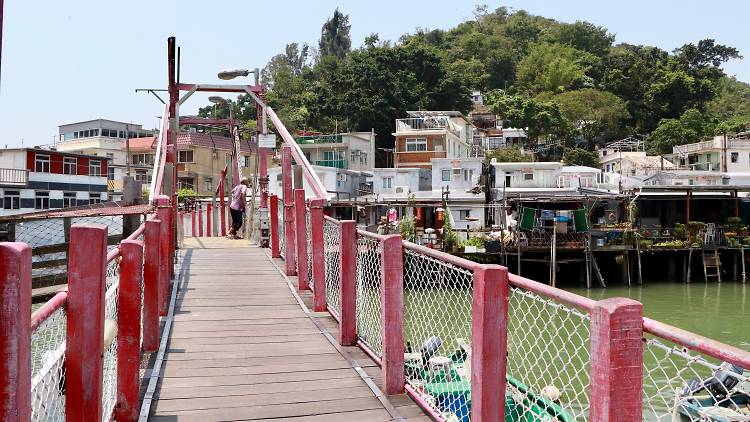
x=12, y=200
x=387, y=182
x=41, y=201
x=735, y=156
x=185, y=156
x=464, y=214
x=69, y=165
x=69, y=199
x=416, y=144
x=528, y=176
x=446, y=175
x=42, y=163
x=185, y=183
x=208, y=184
x=95, y=168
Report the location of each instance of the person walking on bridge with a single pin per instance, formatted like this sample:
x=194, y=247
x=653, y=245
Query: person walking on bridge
x=237, y=207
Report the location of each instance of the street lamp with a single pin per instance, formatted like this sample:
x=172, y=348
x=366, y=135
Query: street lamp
x=235, y=73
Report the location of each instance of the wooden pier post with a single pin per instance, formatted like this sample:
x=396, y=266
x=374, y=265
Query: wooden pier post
x=274, y=214
x=151, y=285
x=15, y=326
x=318, y=255
x=84, y=350
x=290, y=262
x=162, y=212
x=392, y=313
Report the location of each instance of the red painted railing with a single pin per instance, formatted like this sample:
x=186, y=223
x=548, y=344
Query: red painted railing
x=588, y=359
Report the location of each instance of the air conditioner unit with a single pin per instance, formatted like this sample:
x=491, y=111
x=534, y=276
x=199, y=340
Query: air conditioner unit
x=402, y=189
x=456, y=171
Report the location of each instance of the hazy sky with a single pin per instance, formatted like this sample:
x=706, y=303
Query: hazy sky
x=73, y=60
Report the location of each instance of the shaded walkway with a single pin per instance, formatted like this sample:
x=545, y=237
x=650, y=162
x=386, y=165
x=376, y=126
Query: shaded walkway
x=242, y=348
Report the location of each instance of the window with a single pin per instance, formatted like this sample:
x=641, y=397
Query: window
x=94, y=200
x=735, y=156
x=12, y=200
x=185, y=183
x=468, y=174
x=446, y=173
x=246, y=160
x=69, y=165
x=110, y=173
x=464, y=214
x=307, y=155
x=42, y=163
x=142, y=176
x=416, y=144
x=41, y=201
x=95, y=168
x=69, y=199
x=331, y=155
x=147, y=159
x=208, y=184
x=387, y=182
x=110, y=155
x=185, y=156
x=528, y=176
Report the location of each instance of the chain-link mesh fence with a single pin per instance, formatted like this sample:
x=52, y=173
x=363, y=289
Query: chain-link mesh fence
x=548, y=359
x=369, y=324
x=437, y=333
x=48, y=367
x=332, y=255
x=680, y=384
x=109, y=389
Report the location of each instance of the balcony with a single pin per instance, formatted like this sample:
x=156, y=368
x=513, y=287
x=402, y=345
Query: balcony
x=339, y=164
x=426, y=124
x=14, y=177
x=319, y=139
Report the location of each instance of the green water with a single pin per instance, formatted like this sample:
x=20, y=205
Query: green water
x=720, y=311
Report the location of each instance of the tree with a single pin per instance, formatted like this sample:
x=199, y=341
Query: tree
x=553, y=68
x=732, y=99
x=334, y=36
x=583, y=36
x=597, y=114
x=690, y=127
x=581, y=157
x=538, y=118
x=294, y=60
x=507, y=155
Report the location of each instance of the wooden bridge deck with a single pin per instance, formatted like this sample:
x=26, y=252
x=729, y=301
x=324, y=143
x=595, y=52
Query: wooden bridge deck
x=243, y=348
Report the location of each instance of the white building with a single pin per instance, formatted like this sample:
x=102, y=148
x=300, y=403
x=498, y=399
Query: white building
x=340, y=184
x=425, y=135
x=352, y=150
x=720, y=154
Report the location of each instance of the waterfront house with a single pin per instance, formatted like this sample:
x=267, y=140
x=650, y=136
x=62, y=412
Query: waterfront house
x=342, y=185
x=722, y=153
x=38, y=179
x=351, y=150
x=425, y=135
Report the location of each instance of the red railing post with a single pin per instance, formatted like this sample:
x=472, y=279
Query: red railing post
x=163, y=211
x=200, y=220
x=318, y=257
x=129, y=331
x=193, y=231
x=209, y=220
x=616, y=371
x=151, y=285
x=301, y=236
x=489, y=329
x=289, y=245
x=15, y=332
x=392, y=313
x=348, y=283
x=84, y=354
x=274, y=212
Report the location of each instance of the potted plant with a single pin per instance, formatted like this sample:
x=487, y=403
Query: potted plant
x=646, y=243
x=680, y=231
x=693, y=229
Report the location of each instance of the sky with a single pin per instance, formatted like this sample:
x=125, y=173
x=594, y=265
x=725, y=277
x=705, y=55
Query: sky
x=75, y=60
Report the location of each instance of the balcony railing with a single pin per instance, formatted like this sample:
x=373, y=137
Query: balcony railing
x=339, y=164
x=427, y=123
x=320, y=139
x=14, y=177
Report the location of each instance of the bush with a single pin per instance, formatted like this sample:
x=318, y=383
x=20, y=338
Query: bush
x=581, y=157
x=478, y=241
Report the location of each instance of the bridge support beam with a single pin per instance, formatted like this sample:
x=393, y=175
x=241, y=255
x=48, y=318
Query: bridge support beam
x=15, y=326
x=489, y=329
x=616, y=360
x=392, y=313
x=318, y=255
x=274, y=211
x=300, y=219
x=129, y=331
x=151, y=276
x=84, y=354
x=348, y=283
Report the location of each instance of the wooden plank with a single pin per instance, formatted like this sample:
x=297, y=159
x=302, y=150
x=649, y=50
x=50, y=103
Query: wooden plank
x=246, y=390
x=258, y=379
